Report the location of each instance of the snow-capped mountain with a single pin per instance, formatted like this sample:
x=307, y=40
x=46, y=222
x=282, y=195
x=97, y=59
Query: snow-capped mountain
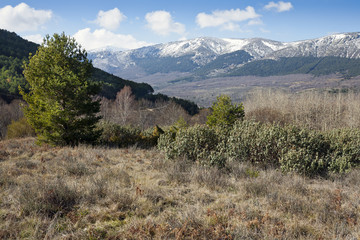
x=338, y=45
x=189, y=55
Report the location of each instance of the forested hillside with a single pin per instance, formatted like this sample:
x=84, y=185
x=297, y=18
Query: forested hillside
x=14, y=50
x=300, y=65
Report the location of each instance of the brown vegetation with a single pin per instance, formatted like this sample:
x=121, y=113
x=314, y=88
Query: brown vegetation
x=316, y=110
x=99, y=193
x=143, y=114
x=8, y=113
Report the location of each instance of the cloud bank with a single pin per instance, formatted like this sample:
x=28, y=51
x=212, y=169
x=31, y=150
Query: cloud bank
x=161, y=22
x=226, y=19
x=22, y=18
x=279, y=6
x=102, y=38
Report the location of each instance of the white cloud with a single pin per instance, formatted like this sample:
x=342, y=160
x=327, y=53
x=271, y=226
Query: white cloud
x=162, y=23
x=255, y=22
x=279, y=6
x=226, y=19
x=22, y=18
x=110, y=19
x=37, y=38
x=101, y=38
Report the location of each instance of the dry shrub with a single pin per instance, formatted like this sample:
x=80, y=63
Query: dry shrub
x=143, y=114
x=268, y=115
x=9, y=112
x=47, y=198
x=20, y=129
x=316, y=110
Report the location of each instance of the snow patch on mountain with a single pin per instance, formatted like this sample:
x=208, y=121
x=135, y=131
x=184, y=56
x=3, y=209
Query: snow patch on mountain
x=204, y=50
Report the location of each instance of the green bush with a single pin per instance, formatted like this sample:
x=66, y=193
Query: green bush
x=293, y=149
x=255, y=142
x=196, y=143
x=304, y=151
x=345, y=149
x=19, y=129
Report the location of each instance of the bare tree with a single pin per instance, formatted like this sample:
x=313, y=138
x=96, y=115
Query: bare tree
x=124, y=104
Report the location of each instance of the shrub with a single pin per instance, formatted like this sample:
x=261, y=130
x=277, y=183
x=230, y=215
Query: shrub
x=345, y=149
x=149, y=138
x=117, y=135
x=19, y=129
x=124, y=136
x=255, y=142
x=293, y=149
x=304, y=151
x=196, y=143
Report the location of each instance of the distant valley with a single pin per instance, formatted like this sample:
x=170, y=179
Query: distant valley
x=201, y=68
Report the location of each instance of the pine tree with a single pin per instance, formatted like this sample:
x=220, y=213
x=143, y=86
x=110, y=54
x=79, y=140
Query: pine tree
x=224, y=113
x=60, y=107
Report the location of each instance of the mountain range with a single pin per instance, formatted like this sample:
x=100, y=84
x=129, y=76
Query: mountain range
x=169, y=66
x=214, y=53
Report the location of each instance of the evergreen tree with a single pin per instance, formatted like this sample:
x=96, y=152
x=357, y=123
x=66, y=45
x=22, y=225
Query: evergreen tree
x=60, y=107
x=224, y=113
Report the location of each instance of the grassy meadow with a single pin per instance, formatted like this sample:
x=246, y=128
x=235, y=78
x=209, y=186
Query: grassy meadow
x=130, y=193
x=184, y=189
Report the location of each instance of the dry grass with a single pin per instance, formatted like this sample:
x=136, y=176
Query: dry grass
x=99, y=193
x=313, y=109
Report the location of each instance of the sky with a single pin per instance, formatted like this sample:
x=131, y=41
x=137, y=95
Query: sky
x=132, y=24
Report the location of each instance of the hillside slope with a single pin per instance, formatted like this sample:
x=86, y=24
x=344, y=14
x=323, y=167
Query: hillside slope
x=14, y=50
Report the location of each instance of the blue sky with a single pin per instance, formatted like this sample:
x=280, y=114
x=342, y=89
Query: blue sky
x=136, y=23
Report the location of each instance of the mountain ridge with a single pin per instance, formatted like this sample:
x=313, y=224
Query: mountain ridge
x=189, y=56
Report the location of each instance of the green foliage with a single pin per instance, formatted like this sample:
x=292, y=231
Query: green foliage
x=113, y=84
x=290, y=148
x=255, y=142
x=345, y=149
x=11, y=75
x=60, y=105
x=196, y=143
x=11, y=45
x=224, y=112
x=305, y=151
x=19, y=129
